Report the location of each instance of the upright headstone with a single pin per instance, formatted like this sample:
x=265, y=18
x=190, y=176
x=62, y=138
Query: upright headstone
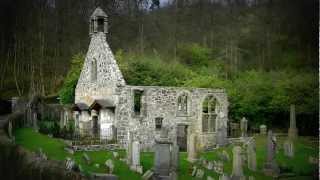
x=162, y=159
x=224, y=177
x=175, y=157
x=288, y=148
x=136, y=157
x=271, y=167
x=293, y=131
x=251, y=155
x=237, y=171
x=244, y=127
x=222, y=136
x=136, y=153
x=129, y=148
x=192, y=148
x=263, y=129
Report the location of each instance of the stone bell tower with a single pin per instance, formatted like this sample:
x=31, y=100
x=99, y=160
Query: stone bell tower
x=100, y=76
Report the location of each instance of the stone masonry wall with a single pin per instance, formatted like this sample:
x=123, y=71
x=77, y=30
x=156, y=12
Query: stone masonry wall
x=163, y=102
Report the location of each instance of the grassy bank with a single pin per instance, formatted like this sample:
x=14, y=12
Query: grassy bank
x=299, y=165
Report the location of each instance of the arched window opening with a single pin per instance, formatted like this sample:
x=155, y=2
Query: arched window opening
x=183, y=104
x=209, y=114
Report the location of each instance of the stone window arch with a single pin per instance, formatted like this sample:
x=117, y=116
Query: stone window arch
x=182, y=104
x=209, y=114
x=93, y=70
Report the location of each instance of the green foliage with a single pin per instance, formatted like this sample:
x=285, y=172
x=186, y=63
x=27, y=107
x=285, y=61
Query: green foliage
x=193, y=54
x=66, y=93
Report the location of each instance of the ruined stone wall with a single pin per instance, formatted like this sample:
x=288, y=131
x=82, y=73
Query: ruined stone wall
x=163, y=102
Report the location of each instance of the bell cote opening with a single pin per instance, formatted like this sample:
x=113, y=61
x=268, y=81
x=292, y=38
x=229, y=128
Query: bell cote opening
x=98, y=22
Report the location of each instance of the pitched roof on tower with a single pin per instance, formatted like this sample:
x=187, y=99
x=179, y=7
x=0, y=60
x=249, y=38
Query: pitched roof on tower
x=98, y=12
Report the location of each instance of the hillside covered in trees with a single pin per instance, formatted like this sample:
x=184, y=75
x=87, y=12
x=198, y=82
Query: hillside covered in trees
x=264, y=52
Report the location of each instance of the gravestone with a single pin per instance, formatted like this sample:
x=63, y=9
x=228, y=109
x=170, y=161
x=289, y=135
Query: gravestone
x=293, y=131
x=251, y=155
x=288, y=148
x=86, y=158
x=115, y=154
x=42, y=155
x=210, y=165
x=110, y=166
x=271, y=167
x=218, y=167
x=135, y=166
x=210, y=178
x=244, y=127
x=192, y=148
x=222, y=136
x=224, y=177
x=162, y=159
x=175, y=157
x=99, y=176
x=225, y=156
x=147, y=175
x=69, y=150
x=129, y=148
x=200, y=174
x=237, y=171
x=263, y=129
x=69, y=164
x=194, y=171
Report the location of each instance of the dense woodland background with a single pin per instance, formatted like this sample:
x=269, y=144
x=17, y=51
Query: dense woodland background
x=264, y=52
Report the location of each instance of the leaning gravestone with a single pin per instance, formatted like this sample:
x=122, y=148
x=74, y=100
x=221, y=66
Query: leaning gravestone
x=293, y=131
x=271, y=167
x=288, y=148
x=86, y=158
x=147, y=175
x=194, y=171
x=237, y=172
x=251, y=155
x=200, y=174
x=115, y=155
x=110, y=166
x=218, y=167
x=244, y=127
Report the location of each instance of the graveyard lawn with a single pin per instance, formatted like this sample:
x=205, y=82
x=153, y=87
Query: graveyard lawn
x=298, y=165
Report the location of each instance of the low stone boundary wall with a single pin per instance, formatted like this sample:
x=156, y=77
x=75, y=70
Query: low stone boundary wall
x=108, y=147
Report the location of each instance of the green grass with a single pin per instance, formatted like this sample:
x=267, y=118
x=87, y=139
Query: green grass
x=304, y=147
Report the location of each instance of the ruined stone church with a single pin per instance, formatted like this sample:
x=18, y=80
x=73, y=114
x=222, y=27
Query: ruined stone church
x=106, y=107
